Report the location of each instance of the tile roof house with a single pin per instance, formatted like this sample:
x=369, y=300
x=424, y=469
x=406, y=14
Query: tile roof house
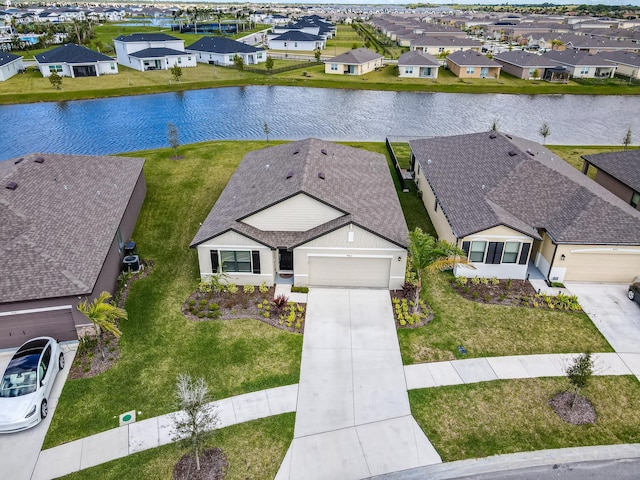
x=470, y=64
x=354, y=62
x=222, y=50
x=582, y=64
x=152, y=51
x=618, y=172
x=525, y=65
x=64, y=219
x=10, y=64
x=71, y=60
x=321, y=213
x=417, y=64
x=507, y=201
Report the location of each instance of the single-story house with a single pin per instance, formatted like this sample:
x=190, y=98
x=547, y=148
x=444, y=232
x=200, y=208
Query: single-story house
x=627, y=62
x=417, y=64
x=525, y=65
x=71, y=60
x=319, y=213
x=65, y=221
x=582, y=64
x=294, y=40
x=10, y=64
x=354, y=62
x=618, y=172
x=441, y=45
x=470, y=64
x=152, y=51
x=222, y=50
x=509, y=202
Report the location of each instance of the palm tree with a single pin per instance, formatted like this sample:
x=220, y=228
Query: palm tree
x=103, y=315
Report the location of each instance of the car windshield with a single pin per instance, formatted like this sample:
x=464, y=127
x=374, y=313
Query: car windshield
x=20, y=377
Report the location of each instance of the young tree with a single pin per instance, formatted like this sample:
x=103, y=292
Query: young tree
x=56, y=80
x=174, y=138
x=197, y=420
x=579, y=373
x=626, y=141
x=103, y=315
x=544, y=132
x=239, y=62
x=176, y=71
x=536, y=73
x=266, y=130
x=269, y=63
x=317, y=54
x=494, y=125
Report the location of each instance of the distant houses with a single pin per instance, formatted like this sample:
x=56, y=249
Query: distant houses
x=152, y=51
x=10, y=64
x=417, y=64
x=470, y=64
x=71, y=60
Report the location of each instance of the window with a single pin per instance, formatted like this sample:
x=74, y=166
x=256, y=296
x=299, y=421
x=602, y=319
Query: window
x=295, y=44
x=635, y=200
x=532, y=72
x=408, y=69
x=427, y=71
x=113, y=66
x=440, y=49
x=511, y=250
x=236, y=261
x=477, y=251
x=55, y=68
x=584, y=71
x=179, y=59
x=259, y=55
x=188, y=59
x=334, y=66
x=470, y=70
x=44, y=363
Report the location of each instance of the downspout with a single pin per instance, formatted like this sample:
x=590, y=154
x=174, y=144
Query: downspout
x=553, y=259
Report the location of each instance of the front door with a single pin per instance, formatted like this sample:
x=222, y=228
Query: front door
x=484, y=72
x=286, y=260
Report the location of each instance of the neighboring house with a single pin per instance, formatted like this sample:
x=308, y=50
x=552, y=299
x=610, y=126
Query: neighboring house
x=65, y=218
x=582, y=64
x=294, y=40
x=71, y=60
x=441, y=45
x=322, y=213
x=618, y=172
x=505, y=200
x=152, y=51
x=354, y=62
x=222, y=50
x=416, y=64
x=627, y=63
x=10, y=64
x=470, y=64
x=525, y=65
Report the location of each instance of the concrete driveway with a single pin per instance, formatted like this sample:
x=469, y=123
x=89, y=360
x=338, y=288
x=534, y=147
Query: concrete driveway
x=20, y=450
x=617, y=317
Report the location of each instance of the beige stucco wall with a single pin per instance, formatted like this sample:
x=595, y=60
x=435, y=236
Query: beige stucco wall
x=402, y=71
x=296, y=214
x=461, y=72
x=360, y=69
x=438, y=219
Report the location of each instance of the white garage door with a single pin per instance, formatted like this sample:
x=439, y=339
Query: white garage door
x=603, y=267
x=349, y=272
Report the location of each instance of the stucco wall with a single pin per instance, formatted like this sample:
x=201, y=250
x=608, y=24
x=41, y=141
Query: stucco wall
x=614, y=186
x=438, y=219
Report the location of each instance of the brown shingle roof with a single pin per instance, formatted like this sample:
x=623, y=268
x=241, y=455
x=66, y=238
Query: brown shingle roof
x=60, y=221
x=486, y=179
x=623, y=165
x=356, y=182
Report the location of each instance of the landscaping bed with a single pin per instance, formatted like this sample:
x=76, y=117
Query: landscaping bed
x=404, y=312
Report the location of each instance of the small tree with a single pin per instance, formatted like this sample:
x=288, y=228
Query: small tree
x=176, y=72
x=197, y=420
x=494, y=125
x=536, y=73
x=269, y=63
x=544, y=132
x=238, y=62
x=266, y=130
x=103, y=315
x=317, y=54
x=56, y=80
x=579, y=373
x=174, y=138
x=626, y=141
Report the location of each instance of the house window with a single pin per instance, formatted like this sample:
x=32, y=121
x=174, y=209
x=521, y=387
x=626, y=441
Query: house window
x=584, y=71
x=334, y=66
x=179, y=59
x=511, y=250
x=408, y=69
x=477, y=251
x=635, y=200
x=532, y=72
x=259, y=55
x=238, y=261
x=285, y=44
x=113, y=66
x=427, y=71
x=295, y=44
x=188, y=59
x=470, y=70
x=55, y=68
x=440, y=49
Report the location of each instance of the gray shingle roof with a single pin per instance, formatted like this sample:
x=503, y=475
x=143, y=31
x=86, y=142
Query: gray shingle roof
x=448, y=41
x=576, y=58
x=417, y=57
x=622, y=57
x=222, y=45
x=72, y=53
x=145, y=37
x=157, y=53
x=356, y=182
x=60, y=221
x=355, y=57
x=623, y=165
x=470, y=58
x=295, y=36
x=479, y=184
x=524, y=59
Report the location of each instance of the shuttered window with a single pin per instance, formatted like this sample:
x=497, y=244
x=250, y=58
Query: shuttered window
x=511, y=250
x=477, y=251
x=524, y=253
x=214, y=261
x=236, y=261
x=494, y=252
x=255, y=256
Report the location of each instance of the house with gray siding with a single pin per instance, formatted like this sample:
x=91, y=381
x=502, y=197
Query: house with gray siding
x=618, y=172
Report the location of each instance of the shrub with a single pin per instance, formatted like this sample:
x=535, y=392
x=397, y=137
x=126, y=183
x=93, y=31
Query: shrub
x=204, y=286
x=214, y=307
x=263, y=287
x=502, y=297
x=248, y=289
x=203, y=302
x=494, y=281
x=200, y=314
x=461, y=281
x=192, y=303
x=259, y=305
x=487, y=297
x=508, y=283
x=295, y=289
x=211, y=314
x=280, y=302
x=484, y=281
x=475, y=281
x=232, y=288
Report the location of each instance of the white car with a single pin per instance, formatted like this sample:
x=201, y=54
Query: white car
x=27, y=382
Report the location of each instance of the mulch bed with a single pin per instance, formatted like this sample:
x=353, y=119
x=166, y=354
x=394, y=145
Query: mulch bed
x=504, y=293
x=213, y=466
x=409, y=293
x=582, y=412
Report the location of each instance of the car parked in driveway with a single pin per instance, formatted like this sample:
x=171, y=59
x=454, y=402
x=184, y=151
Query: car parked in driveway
x=27, y=382
x=634, y=290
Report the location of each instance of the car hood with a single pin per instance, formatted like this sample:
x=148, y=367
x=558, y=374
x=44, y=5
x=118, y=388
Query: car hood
x=15, y=408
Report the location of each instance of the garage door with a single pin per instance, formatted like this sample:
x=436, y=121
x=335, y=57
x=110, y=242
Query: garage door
x=17, y=329
x=349, y=272
x=603, y=267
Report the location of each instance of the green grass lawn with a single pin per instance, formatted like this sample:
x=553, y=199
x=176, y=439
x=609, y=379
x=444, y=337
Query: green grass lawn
x=508, y=416
x=254, y=451
x=158, y=342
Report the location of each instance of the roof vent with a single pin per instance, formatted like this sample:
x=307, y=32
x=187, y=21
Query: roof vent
x=530, y=153
x=39, y=160
x=512, y=153
x=18, y=161
x=509, y=137
x=266, y=167
x=321, y=175
x=296, y=151
x=11, y=185
x=493, y=135
x=323, y=151
x=290, y=174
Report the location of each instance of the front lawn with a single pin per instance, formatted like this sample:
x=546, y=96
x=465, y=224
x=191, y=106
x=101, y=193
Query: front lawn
x=158, y=342
x=508, y=416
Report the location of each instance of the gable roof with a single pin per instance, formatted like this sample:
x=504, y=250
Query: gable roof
x=355, y=181
x=6, y=57
x=296, y=36
x=157, y=52
x=623, y=165
x=524, y=59
x=71, y=53
x=487, y=179
x=444, y=41
x=222, y=45
x=622, y=57
x=60, y=221
x=357, y=57
x=416, y=57
x=470, y=58
x=576, y=58
x=145, y=37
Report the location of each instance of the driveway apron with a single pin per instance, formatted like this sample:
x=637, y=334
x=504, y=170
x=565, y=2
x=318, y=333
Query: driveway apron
x=353, y=417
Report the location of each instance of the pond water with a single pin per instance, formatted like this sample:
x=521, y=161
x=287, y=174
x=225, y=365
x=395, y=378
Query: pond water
x=123, y=124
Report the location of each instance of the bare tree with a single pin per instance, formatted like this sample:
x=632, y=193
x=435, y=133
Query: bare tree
x=627, y=138
x=174, y=138
x=544, y=132
x=495, y=124
x=267, y=131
